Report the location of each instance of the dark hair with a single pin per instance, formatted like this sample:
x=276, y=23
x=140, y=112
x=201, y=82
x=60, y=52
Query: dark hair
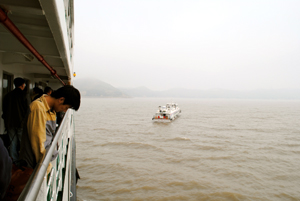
x=38, y=91
x=18, y=81
x=47, y=89
x=71, y=95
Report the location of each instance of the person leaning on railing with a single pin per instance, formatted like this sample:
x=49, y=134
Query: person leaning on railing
x=41, y=124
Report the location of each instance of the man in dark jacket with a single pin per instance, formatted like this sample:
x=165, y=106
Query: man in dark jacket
x=15, y=108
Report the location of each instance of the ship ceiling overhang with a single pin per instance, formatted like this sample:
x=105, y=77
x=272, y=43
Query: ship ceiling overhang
x=48, y=26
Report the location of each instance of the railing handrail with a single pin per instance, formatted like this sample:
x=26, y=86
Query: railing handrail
x=33, y=186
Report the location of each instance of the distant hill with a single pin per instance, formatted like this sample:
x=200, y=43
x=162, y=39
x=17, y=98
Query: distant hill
x=94, y=87
x=97, y=88
x=139, y=92
x=215, y=93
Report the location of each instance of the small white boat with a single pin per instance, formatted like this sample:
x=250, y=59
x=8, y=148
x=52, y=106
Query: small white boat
x=167, y=113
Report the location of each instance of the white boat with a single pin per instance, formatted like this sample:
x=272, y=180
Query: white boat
x=167, y=113
x=36, y=36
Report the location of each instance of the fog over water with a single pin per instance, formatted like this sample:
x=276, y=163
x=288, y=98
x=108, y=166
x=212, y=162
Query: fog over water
x=162, y=44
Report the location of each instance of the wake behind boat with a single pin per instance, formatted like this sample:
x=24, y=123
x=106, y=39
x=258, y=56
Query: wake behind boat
x=167, y=113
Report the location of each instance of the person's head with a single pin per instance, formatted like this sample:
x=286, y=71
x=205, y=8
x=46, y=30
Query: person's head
x=19, y=83
x=66, y=97
x=37, y=90
x=48, y=91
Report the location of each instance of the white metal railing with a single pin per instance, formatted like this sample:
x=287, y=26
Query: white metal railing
x=57, y=184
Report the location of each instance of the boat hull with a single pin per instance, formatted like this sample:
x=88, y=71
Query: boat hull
x=166, y=116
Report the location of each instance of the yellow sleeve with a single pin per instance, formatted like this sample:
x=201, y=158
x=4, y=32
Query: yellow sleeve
x=36, y=126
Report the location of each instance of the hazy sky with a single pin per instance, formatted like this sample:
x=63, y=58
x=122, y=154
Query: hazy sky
x=197, y=44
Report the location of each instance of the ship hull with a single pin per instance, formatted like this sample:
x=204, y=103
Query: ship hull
x=167, y=114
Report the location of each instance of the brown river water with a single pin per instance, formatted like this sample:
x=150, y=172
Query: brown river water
x=216, y=150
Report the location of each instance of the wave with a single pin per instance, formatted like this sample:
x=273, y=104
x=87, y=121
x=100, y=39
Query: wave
x=187, y=185
x=101, y=129
x=178, y=139
x=136, y=145
x=284, y=196
x=210, y=147
x=219, y=157
x=222, y=196
x=129, y=190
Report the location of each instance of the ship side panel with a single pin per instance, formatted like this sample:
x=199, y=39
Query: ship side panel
x=59, y=15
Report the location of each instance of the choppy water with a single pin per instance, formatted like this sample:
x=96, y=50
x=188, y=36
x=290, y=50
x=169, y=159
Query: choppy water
x=216, y=150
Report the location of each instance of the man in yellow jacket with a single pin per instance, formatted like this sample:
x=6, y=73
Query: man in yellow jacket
x=41, y=123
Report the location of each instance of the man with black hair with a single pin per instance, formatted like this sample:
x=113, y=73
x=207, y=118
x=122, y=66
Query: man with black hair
x=41, y=123
x=15, y=108
x=37, y=92
x=48, y=91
